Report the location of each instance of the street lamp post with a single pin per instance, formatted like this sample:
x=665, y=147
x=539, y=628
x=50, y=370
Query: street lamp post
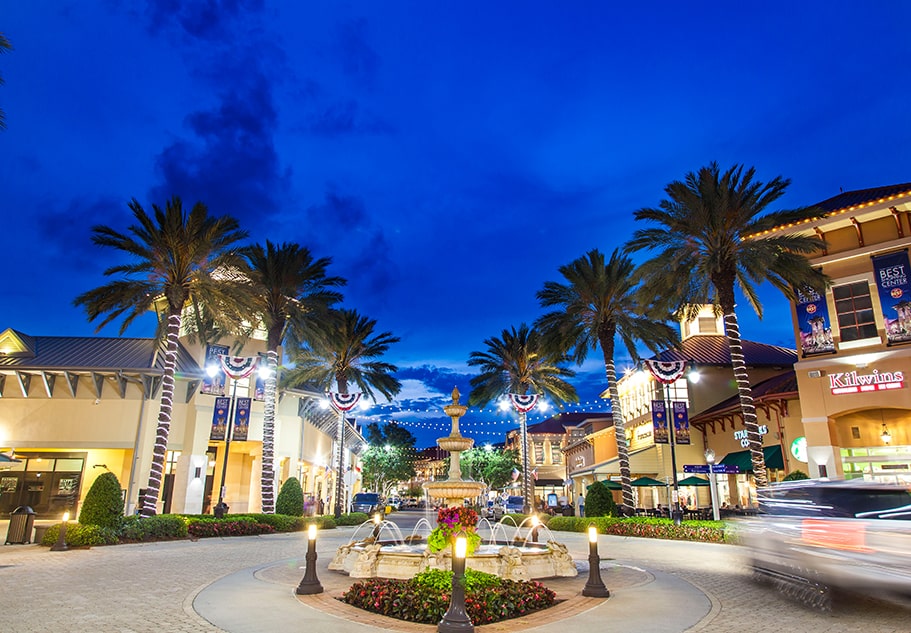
x=594, y=588
x=342, y=403
x=236, y=368
x=310, y=583
x=667, y=373
x=713, y=489
x=523, y=404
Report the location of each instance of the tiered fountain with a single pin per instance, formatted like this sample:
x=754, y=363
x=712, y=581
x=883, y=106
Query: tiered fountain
x=454, y=490
x=516, y=556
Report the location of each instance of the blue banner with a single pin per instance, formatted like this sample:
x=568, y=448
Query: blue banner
x=213, y=385
x=813, y=323
x=241, y=419
x=681, y=423
x=891, y=273
x=220, y=419
x=659, y=422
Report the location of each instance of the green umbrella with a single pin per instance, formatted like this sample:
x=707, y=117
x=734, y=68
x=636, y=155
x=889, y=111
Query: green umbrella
x=610, y=484
x=693, y=480
x=646, y=481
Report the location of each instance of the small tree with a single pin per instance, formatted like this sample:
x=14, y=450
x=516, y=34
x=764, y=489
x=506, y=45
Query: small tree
x=103, y=503
x=290, y=498
x=796, y=475
x=599, y=502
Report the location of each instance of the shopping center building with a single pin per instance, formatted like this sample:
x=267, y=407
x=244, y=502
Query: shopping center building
x=72, y=408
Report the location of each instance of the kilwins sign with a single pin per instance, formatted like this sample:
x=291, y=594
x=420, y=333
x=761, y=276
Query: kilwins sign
x=853, y=382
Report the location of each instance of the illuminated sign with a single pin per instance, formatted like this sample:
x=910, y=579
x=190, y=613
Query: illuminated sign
x=742, y=435
x=852, y=382
x=799, y=449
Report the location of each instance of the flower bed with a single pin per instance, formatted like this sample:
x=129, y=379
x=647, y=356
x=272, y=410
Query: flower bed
x=425, y=598
x=705, y=531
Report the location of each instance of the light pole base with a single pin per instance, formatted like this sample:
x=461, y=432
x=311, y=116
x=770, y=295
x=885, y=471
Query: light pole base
x=308, y=588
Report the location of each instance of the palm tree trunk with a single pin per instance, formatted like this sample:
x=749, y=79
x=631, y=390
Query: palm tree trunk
x=156, y=473
x=523, y=424
x=628, y=504
x=732, y=330
x=339, y=443
x=268, y=472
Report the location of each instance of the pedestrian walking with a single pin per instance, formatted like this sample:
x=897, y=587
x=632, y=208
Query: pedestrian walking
x=580, y=503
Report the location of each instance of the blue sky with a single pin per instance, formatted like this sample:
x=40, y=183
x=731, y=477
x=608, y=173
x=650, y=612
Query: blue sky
x=448, y=157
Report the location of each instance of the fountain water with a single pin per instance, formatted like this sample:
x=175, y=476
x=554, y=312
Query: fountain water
x=513, y=558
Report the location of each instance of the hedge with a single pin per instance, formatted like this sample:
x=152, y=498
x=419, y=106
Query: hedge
x=646, y=527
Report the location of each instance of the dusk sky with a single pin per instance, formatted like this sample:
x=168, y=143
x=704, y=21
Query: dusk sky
x=448, y=156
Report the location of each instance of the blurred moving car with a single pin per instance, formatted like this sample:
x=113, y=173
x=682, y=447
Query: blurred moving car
x=813, y=536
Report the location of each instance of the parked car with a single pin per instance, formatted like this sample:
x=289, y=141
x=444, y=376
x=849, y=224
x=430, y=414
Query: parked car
x=493, y=510
x=515, y=505
x=812, y=536
x=368, y=502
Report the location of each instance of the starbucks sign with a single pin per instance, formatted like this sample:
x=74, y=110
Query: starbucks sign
x=799, y=449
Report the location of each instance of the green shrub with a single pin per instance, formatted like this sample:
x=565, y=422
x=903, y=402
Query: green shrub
x=279, y=522
x=425, y=598
x=796, y=475
x=103, y=503
x=599, y=502
x=290, y=498
x=78, y=535
x=234, y=526
x=352, y=518
x=160, y=527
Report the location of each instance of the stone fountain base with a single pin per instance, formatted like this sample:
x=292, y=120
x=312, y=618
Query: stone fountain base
x=387, y=560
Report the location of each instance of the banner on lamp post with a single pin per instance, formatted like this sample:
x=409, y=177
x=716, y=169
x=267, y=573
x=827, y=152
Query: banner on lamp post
x=892, y=282
x=241, y=419
x=219, y=419
x=659, y=422
x=214, y=385
x=681, y=423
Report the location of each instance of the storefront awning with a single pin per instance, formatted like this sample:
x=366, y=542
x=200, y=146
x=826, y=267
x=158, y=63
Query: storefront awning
x=742, y=459
x=544, y=483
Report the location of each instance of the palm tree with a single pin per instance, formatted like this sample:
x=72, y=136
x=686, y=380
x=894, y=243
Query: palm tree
x=598, y=303
x=519, y=362
x=289, y=292
x=174, y=255
x=343, y=352
x=712, y=237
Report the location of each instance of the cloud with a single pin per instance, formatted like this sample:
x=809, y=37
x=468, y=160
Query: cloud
x=210, y=20
x=346, y=117
x=358, y=59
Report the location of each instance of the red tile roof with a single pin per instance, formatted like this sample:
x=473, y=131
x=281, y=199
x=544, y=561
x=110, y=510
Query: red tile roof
x=712, y=349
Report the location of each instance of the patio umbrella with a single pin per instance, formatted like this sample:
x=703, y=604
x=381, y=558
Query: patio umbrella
x=609, y=484
x=693, y=480
x=646, y=481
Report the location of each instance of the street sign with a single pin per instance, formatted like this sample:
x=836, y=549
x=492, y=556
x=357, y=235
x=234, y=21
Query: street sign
x=718, y=469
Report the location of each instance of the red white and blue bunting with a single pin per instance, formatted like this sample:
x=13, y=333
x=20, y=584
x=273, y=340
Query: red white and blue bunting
x=237, y=367
x=666, y=372
x=524, y=404
x=343, y=401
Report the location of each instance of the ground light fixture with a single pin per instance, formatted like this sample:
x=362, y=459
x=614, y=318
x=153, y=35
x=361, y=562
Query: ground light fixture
x=60, y=545
x=535, y=523
x=456, y=619
x=594, y=588
x=310, y=583
x=377, y=522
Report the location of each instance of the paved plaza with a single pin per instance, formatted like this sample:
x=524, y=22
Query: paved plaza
x=246, y=585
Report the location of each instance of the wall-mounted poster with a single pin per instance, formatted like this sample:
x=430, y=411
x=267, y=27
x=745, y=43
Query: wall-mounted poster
x=813, y=322
x=891, y=271
x=214, y=385
x=9, y=484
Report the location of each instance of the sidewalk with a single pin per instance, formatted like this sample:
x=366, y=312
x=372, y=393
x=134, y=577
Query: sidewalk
x=246, y=585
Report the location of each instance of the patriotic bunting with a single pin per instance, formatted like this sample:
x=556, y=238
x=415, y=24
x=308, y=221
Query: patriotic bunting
x=666, y=372
x=524, y=404
x=343, y=401
x=238, y=367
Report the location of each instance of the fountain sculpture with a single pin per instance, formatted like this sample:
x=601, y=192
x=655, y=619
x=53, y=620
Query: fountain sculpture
x=514, y=558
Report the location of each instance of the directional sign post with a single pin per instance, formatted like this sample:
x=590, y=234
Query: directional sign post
x=718, y=469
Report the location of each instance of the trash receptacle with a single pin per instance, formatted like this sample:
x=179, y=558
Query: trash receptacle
x=21, y=523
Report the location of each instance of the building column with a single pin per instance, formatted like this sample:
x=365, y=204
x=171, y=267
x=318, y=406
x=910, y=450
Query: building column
x=823, y=451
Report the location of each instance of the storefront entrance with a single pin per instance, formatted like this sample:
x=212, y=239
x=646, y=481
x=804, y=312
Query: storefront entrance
x=49, y=483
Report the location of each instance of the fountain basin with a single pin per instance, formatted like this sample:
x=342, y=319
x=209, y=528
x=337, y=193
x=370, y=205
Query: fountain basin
x=511, y=561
